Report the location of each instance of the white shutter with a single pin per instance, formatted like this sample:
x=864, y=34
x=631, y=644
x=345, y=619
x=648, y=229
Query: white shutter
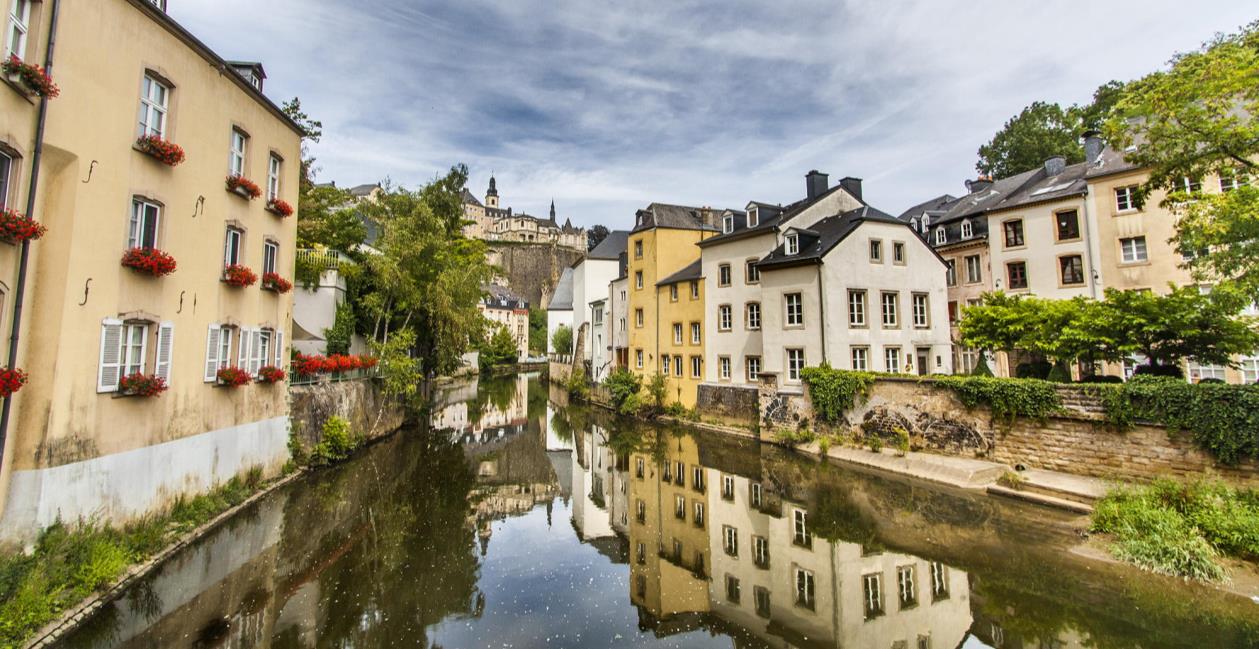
x=165, y=350
x=110, y=368
x=279, y=349
x=212, y=353
x=255, y=351
x=242, y=351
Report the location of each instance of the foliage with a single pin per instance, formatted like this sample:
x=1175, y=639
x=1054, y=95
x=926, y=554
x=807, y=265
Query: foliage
x=578, y=386
x=149, y=260
x=901, y=441
x=165, y=151
x=312, y=130
x=562, y=340
x=329, y=220
x=658, y=390
x=32, y=75
x=337, y=338
x=233, y=377
x=142, y=385
x=833, y=391
x=632, y=404
x=16, y=227
x=1180, y=528
x=336, y=442
x=595, y=235
x=802, y=435
x=500, y=349
x=274, y=282
x=239, y=275
x=270, y=374
x=1059, y=373
x=1044, y=130
x=537, y=331
x=11, y=380
x=876, y=443
x=243, y=186
x=1222, y=419
x=622, y=384
x=279, y=207
x=399, y=372
x=1192, y=120
x=981, y=368
x=1007, y=398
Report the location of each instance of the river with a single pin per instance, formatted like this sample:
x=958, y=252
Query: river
x=512, y=521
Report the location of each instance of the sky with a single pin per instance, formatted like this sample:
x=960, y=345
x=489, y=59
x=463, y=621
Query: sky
x=605, y=107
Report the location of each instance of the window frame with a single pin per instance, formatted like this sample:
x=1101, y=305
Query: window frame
x=942, y=237
x=7, y=163
x=724, y=275
x=894, y=322
x=791, y=245
x=233, y=256
x=1125, y=199
x=1058, y=225
x=275, y=169
x=724, y=369
x=794, y=365
x=752, y=375
x=978, y=276
x=1062, y=270
x=725, y=317
x=898, y=253
x=858, y=311
x=677, y=333
x=1017, y=225
x=237, y=156
x=793, y=320
x=861, y=352
x=923, y=300
x=1139, y=246
x=697, y=333
x=1009, y=275
x=139, y=217
x=950, y=272
x=968, y=229
x=751, y=272
x=17, y=23
x=751, y=322
x=891, y=352
x=697, y=367
x=270, y=256
x=876, y=251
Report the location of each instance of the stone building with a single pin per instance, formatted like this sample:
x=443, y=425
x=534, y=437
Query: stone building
x=492, y=222
x=77, y=444
x=503, y=308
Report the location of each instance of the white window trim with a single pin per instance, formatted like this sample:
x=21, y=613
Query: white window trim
x=151, y=110
x=236, y=156
x=792, y=247
x=22, y=24
x=274, y=166
x=135, y=228
x=109, y=366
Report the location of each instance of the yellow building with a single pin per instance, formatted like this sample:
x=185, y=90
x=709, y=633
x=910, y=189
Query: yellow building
x=665, y=288
x=74, y=446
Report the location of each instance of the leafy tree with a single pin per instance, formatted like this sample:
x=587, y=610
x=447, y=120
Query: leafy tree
x=1182, y=324
x=1044, y=130
x=1193, y=120
x=595, y=236
x=337, y=338
x=312, y=130
x=500, y=349
x=537, y=331
x=562, y=340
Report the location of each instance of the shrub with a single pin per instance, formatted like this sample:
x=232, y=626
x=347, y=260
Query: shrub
x=981, y=368
x=1221, y=419
x=1008, y=398
x=577, y=384
x=876, y=443
x=622, y=384
x=658, y=390
x=796, y=437
x=902, y=442
x=1172, y=371
x=1102, y=378
x=833, y=392
x=336, y=441
x=632, y=404
x=1059, y=373
x=562, y=340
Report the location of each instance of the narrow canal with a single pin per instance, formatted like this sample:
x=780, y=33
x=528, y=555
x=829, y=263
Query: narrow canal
x=512, y=521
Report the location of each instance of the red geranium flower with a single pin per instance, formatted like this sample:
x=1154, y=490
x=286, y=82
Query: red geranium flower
x=243, y=185
x=34, y=76
x=239, y=276
x=280, y=207
x=16, y=227
x=149, y=260
x=233, y=377
x=270, y=374
x=142, y=386
x=274, y=282
x=166, y=152
x=11, y=380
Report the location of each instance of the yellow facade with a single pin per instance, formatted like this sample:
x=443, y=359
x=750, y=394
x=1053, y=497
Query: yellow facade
x=681, y=318
x=69, y=426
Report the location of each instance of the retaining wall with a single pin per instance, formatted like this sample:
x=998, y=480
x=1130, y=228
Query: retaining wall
x=369, y=412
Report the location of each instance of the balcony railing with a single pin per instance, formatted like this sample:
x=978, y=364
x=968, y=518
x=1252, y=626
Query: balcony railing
x=335, y=377
x=323, y=259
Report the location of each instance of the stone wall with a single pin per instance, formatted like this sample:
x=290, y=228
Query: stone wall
x=735, y=402
x=532, y=269
x=369, y=412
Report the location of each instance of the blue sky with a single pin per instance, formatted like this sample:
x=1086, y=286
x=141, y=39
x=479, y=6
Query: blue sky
x=608, y=106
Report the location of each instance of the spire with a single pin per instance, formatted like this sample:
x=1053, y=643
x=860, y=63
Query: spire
x=493, y=191
x=552, y=210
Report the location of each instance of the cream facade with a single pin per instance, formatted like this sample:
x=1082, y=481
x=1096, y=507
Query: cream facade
x=733, y=312
x=490, y=221
x=75, y=448
x=502, y=308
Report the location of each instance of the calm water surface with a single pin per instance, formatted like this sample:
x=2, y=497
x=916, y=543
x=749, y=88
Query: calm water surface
x=511, y=521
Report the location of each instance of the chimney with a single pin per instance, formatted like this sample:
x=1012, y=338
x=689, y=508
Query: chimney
x=815, y=184
x=1055, y=165
x=1092, y=146
x=852, y=186
x=979, y=184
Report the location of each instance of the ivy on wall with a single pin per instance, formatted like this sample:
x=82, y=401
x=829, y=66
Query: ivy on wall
x=1007, y=398
x=833, y=392
x=1222, y=419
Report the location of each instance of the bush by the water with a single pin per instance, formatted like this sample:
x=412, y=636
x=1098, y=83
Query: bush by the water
x=624, y=385
x=1181, y=528
x=336, y=442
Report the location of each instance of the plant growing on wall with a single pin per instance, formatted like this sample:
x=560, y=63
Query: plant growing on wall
x=337, y=337
x=150, y=261
x=141, y=385
x=233, y=377
x=623, y=384
x=280, y=208
x=1007, y=398
x=31, y=75
x=243, y=186
x=165, y=151
x=239, y=275
x=16, y=227
x=11, y=380
x=1222, y=419
x=833, y=392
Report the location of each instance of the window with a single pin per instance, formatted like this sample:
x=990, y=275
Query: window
x=677, y=333
x=1016, y=274
x=640, y=509
x=723, y=275
x=218, y=350
x=1189, y=185
x=950, y=272
x=640, y=467
x=273, y=177
x=673, y=292
x=638, y=358
x=921, y=311
x=125, y=349
x=889, y=303
x=727, y=487
x=681, y=474
x=804, y=589
x=898, y=252
x=668, y=472
x=732, y=589
x=939, y=581
x=640, y=552
x=231, y=246
x=1126, y=198
x=761, y=594
x=757, y=494
x=754, y=218
x=695, y=333
x=677, y=365
x=793, y=244
x=6, y=173
x=723, y=365
x=753, y=364
x=725, y=317
x=270, y=251
x=952, y=311
x=1199, y=371
x=760, y=551
x=941, y=237
x=697, y=478
x=795, y=363
x=638, y=279
x=145, y=217
x=906, y=586
x=679, y=509
x=665, y=360
x=892, y=360
x=1068, y=225
x=974, y=273
x=698, y=516
x=730, y=540
x=19, y=25
x=799, y=532
x=1133, y=249
x=697, y=367
x=638, y=250
x=860, y=359
x=856, y=308
x=751, y=273
x=968, y=230
x=638, y=318
x=154, y=96
x=134, y=341
x=872, y=595
x=1013, y=233
x=1231, y=179
x=876, y=251
x=754, y=315
x=794, y=310
x=694, y=290
x=1072, y=269
x=727, y=224
x=236, y=158
x=1250, y=369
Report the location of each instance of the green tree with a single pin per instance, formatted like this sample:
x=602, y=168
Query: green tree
x=1182, y=324
x=1044, y=130
x=595, y=235
x=500, y=349
x=1193, y=120
x=562, y=340
x=337, y=338
x=537, y=330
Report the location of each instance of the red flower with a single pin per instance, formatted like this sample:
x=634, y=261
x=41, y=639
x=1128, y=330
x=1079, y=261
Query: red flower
x=280, y=207
x=142, y=386
x=233, y=377
x=16, y=227
x=304, y=365
x=274, y=282
x=34, y=76
x=270, y=374
x=166, y=152
x=149, y=260
x=369, y=362
x=11, y=380
x=243, y=185
x=239, y=276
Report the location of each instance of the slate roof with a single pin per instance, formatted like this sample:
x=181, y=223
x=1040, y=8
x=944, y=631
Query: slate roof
x=611, y=247
x=1110, y=162
x=664, y=215
x=360, y=191
x=469, y=198
x=562, y=300
x=501, y=297
x=768, y=222
x=823, y=236
x=941, y=202
x=693, y=271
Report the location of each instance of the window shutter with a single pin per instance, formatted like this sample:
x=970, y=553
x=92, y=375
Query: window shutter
x=212, y=353
x=279, y=349
x=255, y=351
x=110, y=367
x=165, y=350
x=242, y=351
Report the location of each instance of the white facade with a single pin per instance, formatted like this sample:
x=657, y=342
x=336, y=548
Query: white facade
x=1042, y=253
x=591, y=278
x=732, y=349
x=618, y=319
x=599, y=345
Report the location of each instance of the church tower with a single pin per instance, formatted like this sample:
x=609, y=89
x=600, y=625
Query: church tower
x=552, y=211
x=491, y=194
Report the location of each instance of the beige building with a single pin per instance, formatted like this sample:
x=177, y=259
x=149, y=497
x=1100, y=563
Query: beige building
x=76, y=445
x=492, y=222
x=506, y=309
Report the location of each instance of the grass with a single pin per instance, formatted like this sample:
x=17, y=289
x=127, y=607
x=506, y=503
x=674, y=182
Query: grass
x=70, y=563
x=1181, y=529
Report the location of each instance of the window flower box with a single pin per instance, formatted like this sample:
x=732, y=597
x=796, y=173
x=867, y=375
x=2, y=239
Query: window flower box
x=11, y=380
x=164, y=151
x=149, y=260
x=139, y=385
x=280, y=208
x=16, y=227
x=30, y=75
x=233, y=377
x=270, y=374
x=273, y=282
x=239, y=276
x=243, y=187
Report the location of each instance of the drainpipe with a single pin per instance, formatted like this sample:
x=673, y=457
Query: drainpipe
x=24, y=260
x=1094, y=275
x=821, y=307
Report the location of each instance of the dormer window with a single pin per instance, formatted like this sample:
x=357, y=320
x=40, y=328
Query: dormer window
x=753, y=217
x=941, y=237
x=727, y=224
x=160, y=4
x=926, y=221
x=793, y=244
x=967, y=230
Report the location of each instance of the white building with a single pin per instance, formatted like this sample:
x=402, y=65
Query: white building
x=559, y=313
x=591, y=277
x=618, y=320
